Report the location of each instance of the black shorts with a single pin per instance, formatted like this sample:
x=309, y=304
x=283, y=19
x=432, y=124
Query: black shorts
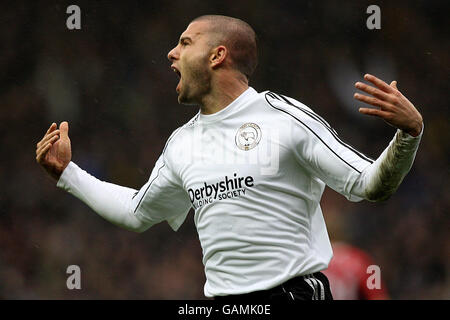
x=308, y=287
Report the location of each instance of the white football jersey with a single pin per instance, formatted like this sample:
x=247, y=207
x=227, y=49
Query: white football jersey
x=254, y=173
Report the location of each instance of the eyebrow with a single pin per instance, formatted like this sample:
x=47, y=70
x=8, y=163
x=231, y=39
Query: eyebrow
x=189, y=38
x=185, y=38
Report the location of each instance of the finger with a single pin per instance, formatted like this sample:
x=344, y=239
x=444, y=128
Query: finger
x=373, y=101
x=394, y=85
x=378, y=82
x=43, y=152
x=64, y=128
x=375, y=112
x=373, y=91
x=47, y=137
x=52, y=127
x=44, y=144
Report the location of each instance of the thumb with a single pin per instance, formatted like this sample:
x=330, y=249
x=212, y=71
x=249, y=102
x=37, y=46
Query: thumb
x=64, y=129
x=394, y=84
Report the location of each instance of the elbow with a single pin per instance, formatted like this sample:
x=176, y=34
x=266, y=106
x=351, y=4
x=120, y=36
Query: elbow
x=140, y=228
x=136, y=226
x=133, y=228
x=379, y=194
x=382, y=190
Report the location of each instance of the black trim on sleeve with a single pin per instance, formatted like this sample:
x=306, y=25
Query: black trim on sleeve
x=325, y=124
x=164, y=150
x=311, y=131
x=148, y=188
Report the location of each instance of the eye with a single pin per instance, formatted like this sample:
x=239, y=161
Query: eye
x=184, y=42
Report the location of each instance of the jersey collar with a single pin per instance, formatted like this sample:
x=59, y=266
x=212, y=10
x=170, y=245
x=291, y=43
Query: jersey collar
x=237, y=104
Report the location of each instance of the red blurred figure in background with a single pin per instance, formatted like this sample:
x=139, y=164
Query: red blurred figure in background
x=351, y=270
x=349, y=274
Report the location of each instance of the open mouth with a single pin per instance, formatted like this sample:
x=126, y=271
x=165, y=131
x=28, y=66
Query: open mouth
x=176, y=71
x=179, y=76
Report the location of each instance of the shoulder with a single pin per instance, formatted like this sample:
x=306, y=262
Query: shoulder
x=178, y=135
x=288, y=105
x=297, y=112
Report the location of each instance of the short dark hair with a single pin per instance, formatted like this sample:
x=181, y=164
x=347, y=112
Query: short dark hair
x=240, y=39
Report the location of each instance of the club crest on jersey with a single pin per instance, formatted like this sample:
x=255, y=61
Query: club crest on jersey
x=248, y=136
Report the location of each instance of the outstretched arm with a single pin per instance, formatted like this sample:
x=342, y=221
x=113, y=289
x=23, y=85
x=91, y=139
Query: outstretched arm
x=112, y=202
x=383, y=177
x=161, y=198
x=346, y=170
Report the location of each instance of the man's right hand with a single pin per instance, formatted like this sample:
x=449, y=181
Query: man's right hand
x=53, y=152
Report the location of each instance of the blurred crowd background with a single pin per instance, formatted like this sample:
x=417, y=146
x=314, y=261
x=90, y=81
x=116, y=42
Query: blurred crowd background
x=111, y=80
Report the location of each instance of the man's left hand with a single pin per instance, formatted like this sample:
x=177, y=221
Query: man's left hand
x=393, y=106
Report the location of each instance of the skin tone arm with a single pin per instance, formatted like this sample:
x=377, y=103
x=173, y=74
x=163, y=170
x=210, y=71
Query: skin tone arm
x=393, y=107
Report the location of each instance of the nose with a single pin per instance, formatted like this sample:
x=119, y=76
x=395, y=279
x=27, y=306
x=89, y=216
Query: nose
x=173, y=54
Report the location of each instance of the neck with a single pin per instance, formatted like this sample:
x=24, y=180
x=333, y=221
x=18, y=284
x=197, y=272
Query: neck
x=224, y=91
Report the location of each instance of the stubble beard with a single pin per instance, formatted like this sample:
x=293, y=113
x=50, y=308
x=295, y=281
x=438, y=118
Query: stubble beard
x=196, y=84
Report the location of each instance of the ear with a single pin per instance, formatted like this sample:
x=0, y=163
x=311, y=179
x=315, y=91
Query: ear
x=218, y=56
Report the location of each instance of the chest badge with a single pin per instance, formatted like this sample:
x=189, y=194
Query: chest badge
x=248, y=136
